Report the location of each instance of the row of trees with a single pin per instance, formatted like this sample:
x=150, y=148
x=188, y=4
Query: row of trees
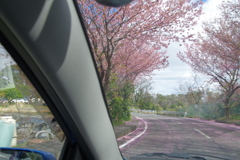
x=216, y=52
x=130, y=42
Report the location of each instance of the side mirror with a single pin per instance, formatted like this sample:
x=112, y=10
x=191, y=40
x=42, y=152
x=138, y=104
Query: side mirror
x=24, y=154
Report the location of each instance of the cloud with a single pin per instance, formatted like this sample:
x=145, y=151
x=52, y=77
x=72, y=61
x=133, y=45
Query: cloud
x=166, y=81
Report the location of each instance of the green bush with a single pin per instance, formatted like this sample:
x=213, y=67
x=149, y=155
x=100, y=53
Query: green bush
x=205, y=111
x=119, y=111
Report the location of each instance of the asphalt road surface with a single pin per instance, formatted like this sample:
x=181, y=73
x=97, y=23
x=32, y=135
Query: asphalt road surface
x=168, y=134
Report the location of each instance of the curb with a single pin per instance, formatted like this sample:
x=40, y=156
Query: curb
x=133, y=137
x=124, y=129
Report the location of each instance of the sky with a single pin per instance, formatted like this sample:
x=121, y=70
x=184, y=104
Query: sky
x=166, y=81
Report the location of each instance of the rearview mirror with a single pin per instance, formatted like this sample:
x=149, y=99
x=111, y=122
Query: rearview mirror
x=24, y=154
x=114, y=3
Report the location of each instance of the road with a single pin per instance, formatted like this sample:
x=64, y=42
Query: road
x=168, y=134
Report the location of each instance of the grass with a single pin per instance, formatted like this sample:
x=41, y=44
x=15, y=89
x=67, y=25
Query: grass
x=235, y=117
x=120, y=122
x=191, y=116
x=116, y=123
x=23, y=108
x=231, y=120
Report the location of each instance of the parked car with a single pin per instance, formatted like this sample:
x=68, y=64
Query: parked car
x=25, y=100
x=19, y=100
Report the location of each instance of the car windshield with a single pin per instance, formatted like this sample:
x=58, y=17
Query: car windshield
x=170, y=72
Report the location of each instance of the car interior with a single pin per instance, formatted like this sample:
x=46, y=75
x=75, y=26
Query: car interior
x=49, y=43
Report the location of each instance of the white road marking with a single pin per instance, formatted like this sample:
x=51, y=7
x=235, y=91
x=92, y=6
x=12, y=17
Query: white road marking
x=177, y=122
x=202, y=133
x=134, y=138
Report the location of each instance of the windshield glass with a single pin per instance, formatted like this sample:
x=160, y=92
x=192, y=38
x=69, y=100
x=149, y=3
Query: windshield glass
x=170, y=71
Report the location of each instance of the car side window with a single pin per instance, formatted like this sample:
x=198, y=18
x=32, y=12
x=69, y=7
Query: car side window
x=25, y=119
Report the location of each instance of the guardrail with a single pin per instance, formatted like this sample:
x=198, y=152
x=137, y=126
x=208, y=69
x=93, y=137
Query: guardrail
x=143, y=111
x=162, y=112
x=174, y=112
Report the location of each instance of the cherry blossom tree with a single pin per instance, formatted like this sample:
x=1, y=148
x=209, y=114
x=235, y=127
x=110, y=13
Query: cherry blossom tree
x=216, y=52
x=131, y=41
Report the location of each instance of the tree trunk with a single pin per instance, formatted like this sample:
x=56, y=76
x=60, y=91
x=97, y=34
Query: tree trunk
x=227, y=108
x=107, y=78
x=227, y=113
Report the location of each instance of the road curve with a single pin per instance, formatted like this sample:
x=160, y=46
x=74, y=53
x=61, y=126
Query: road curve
x=167, y=134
